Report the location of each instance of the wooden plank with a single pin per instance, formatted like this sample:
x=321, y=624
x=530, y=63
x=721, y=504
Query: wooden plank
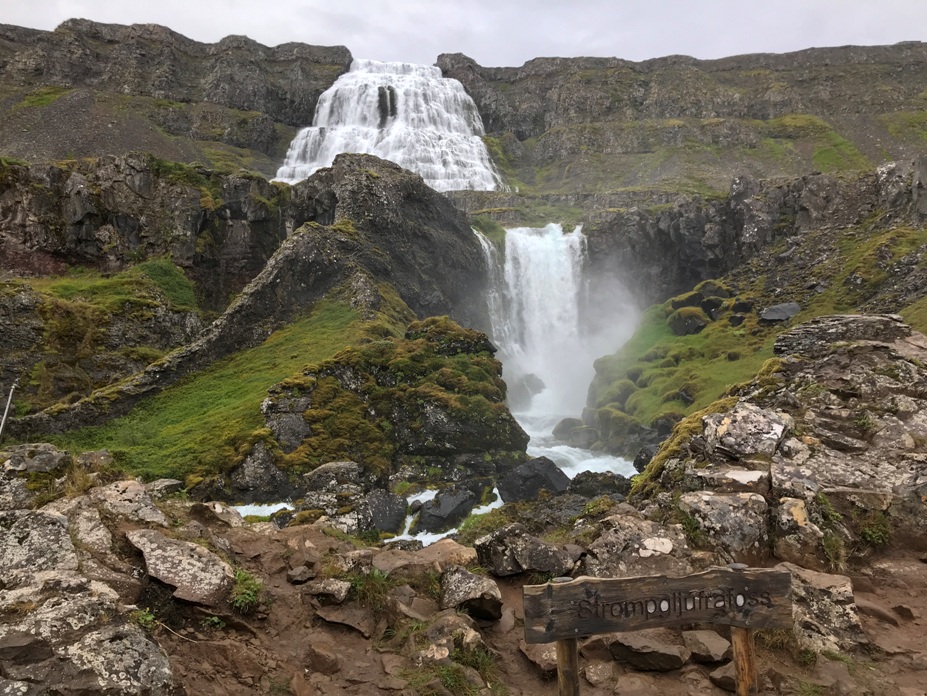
x=751, y=598
x=744, y=661
x=568, y=667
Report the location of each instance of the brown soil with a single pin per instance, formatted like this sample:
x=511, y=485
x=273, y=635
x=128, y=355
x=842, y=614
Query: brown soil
x=285, y=648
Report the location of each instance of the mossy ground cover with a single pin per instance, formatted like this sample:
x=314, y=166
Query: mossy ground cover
x=200, y=426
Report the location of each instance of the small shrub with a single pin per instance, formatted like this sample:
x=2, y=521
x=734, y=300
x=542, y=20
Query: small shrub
x=246, y=592
x=371, y=589
x=213, y=623
x=144, y=618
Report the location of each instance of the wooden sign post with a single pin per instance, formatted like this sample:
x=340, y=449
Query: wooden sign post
x=743, y=598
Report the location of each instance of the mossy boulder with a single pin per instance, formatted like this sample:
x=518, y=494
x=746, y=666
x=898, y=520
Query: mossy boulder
x=429, y=407
x=688, y=320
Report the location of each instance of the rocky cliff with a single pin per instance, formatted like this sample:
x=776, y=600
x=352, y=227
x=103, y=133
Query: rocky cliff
x=120, y=88
x=600, y=124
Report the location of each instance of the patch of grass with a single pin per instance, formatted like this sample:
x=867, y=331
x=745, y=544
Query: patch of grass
x=43, y=96
x=371, y=589
x=144, y=618
x=205, y=423
x=246, y=592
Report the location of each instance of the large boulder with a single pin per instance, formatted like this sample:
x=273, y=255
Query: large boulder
x=656, y=650
x=735, y=524
x=130, y=501
x=446, y=510
x=258, y=480
x=824, y=611
x=745, y=431
x=33, y=541
x=525, y=482
x=197, y=574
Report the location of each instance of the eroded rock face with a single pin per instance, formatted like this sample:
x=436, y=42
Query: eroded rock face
x=734, y=523
x=198, y=574
x=74, y=640
x=32, y=542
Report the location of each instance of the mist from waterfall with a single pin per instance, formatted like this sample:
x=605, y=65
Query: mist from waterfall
x=551, y=320
x=408, y=114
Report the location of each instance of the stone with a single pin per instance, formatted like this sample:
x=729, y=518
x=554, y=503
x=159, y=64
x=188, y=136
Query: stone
x=525, y=482
x=387, y=510
x=329, y=590
x=599, y=673
x=511, y=550
x=725, y=677
x=129, y=500
x=161, y=488
x=542, y=655
x=592, y=484
x=824, y=611
x=474, y=594
x=780, y=312
x=649, y=650
x=356, y=617
x=38, y=458
x=643, y=457
x=88, y=529
x=707, y=646
x=322, y=657
x=446, y=510
x=214, y=513
x=258, y=480
x=197, y=574
x=629, y=545
x=33, y=541
x=300, y=575
x=814, y=338
x=447, y=552
x=734, y=523
x=745, y=431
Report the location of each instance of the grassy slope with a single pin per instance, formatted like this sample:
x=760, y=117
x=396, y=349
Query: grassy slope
x=645, y=378
x=200, y=425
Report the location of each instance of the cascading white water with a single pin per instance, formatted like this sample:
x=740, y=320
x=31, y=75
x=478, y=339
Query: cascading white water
x=550, y=323
x=408, y=114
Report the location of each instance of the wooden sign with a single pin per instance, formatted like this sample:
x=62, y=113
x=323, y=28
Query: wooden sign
x=751, y=598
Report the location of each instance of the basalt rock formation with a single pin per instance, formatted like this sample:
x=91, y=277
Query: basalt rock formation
x=120, y=88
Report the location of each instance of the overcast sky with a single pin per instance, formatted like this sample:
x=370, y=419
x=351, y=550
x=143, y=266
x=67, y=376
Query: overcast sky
x=509, y=32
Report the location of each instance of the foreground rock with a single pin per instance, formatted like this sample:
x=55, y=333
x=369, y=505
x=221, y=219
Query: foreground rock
x=511, y=550
x=197, y=574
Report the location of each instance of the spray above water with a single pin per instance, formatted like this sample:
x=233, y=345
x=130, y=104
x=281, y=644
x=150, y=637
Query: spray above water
x=408, y=114
x=551, y=319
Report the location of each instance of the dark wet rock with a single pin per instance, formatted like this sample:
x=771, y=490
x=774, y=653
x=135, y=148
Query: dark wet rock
x=687, y=321
x=258, y=480
x=649, y=650
x=643, y=457
x=511, y=550
x=446, y=510
x=565, y=428
x=387, y=510
x=474, y=594
x=525, y=482
x=780, y=312
x=197, y=574
x=592, y=484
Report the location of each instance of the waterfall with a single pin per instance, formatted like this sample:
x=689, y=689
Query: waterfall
x=405, y=113
x=550, y=321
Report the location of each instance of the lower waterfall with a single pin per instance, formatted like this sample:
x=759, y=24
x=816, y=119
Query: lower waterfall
x=550, y=321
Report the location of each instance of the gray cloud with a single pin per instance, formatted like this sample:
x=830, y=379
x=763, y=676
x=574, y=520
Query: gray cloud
x=509, y=32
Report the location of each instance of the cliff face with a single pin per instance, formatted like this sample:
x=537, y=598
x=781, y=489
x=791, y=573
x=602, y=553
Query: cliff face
x=583, y=124
x=133, y=87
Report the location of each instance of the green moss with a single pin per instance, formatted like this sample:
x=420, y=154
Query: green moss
x=43, y=96
x=489, y=228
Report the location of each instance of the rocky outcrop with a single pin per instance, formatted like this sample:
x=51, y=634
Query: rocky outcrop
x=426, y=408
x=236, y=91
x=416, y=242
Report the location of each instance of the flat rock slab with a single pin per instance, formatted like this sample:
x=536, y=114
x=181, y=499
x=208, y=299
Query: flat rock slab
x=649, y=650
x=33, y=541
x=198, y=574
x=707, y=646
x=358, y=618
x=476, y=595
x=543, y=655
x=130, y=500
